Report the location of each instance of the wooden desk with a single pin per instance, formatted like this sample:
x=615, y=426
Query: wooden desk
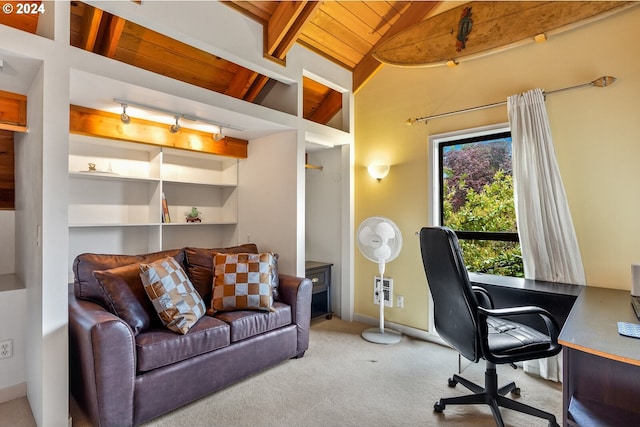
x=601, y=369
x=556, y=298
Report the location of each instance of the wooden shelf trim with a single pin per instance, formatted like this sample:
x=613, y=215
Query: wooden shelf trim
x=87, y=121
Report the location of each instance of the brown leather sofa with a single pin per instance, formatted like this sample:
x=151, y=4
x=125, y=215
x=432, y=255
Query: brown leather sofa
x=124, y=377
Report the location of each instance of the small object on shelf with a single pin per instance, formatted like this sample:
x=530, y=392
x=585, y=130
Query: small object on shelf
x=165, y=210
x=94, y=170
x=193, y=216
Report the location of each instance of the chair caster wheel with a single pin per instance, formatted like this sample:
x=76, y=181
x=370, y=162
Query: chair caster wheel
x=438, y=407
x=516, y=391
x=452, y=383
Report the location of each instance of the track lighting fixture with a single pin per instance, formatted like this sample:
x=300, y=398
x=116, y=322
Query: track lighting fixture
x=139, y=112
x=124, y=117
x=218, y=135
x=175, y=127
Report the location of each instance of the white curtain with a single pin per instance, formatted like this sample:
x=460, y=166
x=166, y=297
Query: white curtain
x=549, y=245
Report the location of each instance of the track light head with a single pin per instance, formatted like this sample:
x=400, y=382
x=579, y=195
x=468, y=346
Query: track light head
x=218, y=136
x=175, y=127
x=124, y=117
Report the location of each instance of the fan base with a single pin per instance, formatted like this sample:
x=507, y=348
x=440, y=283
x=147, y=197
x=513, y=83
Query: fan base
x=384, y=336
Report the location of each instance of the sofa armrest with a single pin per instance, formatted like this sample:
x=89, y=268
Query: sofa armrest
x=102, y=363
x=296, y=291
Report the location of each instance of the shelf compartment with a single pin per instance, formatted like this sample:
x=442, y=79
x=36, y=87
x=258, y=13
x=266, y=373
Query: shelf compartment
x=189, y=167
x=121, y=158
x=113, y=201
x=198, y=235
x=216, y=204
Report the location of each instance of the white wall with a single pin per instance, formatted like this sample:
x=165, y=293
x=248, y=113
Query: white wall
x=13, y=306
x=7, y=237
x=323, y=233
x=268, y=211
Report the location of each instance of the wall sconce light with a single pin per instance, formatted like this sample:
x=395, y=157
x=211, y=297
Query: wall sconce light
x=124, y=117
x=176, y=127
x=452, y=63
x=378, y=171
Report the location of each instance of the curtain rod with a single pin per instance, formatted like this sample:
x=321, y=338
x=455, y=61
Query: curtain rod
x=599, y=82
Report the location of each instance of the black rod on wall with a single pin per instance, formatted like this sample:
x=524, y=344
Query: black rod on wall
x=599, y=82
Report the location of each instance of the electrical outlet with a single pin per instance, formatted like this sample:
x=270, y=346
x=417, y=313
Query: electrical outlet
x=400, y=301
x=6, y=349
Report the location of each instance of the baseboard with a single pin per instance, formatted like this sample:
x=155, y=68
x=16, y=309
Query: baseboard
x=13, y=392
x=403, y=329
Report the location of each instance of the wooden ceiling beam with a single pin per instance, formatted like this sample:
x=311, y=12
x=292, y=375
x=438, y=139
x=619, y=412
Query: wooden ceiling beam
x=87, y=121
x=91, y=27
x=329, y=107
x=112, y=36
x=255, y=89
x=241, y=82
x=285, y=24
x=368, y=66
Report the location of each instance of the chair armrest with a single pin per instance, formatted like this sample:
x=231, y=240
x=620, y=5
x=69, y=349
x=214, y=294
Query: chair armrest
x=483, y=297
x=553, y=328
x=296, y=292
x=102, y=363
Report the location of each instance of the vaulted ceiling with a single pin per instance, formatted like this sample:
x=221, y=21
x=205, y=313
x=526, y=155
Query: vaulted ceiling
x=346, y=32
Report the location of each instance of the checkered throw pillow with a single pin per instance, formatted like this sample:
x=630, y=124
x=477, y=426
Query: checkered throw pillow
x=243, y=282
x=173, y=296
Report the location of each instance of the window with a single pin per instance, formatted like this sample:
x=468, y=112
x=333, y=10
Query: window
x=473, y=195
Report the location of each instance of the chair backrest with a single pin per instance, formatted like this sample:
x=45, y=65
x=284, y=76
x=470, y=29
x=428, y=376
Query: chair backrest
x=454, y=302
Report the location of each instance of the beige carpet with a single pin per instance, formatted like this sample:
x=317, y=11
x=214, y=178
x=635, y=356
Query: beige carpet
x=345, y=381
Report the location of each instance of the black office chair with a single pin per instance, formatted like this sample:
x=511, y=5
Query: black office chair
x=466, y=320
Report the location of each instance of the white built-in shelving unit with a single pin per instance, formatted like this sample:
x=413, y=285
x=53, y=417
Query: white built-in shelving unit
x=117, y=208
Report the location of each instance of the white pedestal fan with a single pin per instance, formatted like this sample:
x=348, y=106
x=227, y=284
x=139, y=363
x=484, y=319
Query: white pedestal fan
x=380, y=240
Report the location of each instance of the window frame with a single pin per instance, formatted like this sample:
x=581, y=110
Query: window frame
x=437, y=142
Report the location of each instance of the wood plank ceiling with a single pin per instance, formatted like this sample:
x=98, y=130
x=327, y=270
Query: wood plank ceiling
x=346, y=32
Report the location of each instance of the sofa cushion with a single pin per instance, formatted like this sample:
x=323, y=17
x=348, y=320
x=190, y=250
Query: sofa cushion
x=199, y=265
x=242, y=281
x=86, y=286
x=177, y=303
x=247, y=323
x=160, y=347
x=125, y=297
